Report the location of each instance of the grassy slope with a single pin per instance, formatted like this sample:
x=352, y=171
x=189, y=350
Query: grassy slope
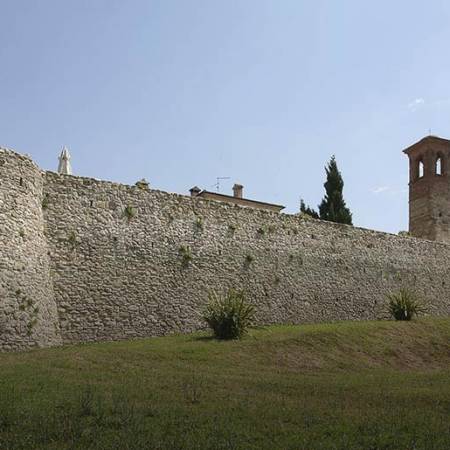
x=367, y=385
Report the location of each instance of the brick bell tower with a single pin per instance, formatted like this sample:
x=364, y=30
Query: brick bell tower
x=429, y=188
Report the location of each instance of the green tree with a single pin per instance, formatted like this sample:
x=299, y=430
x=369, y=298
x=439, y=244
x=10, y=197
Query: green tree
x=333, y=206
x=305, y=209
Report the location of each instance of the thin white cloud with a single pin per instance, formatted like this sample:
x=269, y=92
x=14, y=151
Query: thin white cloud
x=442, y=102
x=380, y=189
x=416, y=104
x=419, y=103
x=388, y=190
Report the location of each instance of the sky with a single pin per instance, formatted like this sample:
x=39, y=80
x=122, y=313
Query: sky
x=261, y=91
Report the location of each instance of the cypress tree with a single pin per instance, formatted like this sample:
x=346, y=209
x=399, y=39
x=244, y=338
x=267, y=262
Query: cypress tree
x=333, y=206
x=307, y=210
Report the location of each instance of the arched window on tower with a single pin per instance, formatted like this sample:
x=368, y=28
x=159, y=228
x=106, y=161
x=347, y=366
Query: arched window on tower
x=421, y=169
x=439, y=165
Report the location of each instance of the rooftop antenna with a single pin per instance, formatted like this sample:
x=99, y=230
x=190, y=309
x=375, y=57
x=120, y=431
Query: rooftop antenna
x=218, y=180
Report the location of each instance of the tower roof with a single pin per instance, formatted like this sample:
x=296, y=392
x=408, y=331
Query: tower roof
x=426, y=140
x=65, y=153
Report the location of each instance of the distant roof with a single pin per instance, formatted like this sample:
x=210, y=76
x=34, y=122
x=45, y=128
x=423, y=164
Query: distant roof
x=430, y=138
x=232, y=197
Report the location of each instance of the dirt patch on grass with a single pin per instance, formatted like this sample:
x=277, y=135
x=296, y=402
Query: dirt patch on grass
x=417, y=345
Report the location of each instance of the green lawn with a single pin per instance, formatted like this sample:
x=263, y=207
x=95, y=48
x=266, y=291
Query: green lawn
x=366, y=385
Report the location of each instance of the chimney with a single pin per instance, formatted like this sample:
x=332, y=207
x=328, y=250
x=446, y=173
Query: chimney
x=195, y=191
x=238, y=190
x=143, y=184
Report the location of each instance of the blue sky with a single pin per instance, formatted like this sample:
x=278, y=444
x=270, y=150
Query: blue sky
x=262, y=91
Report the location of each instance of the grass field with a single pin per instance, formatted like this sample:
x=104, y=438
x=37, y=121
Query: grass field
x=366, y=385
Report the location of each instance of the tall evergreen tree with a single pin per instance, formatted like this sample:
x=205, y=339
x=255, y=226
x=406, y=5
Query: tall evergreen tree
x=333, y=206
x=307, y=210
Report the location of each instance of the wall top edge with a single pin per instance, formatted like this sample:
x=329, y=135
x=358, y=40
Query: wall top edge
x=19, y=156
x=80, y=180
x=15, y=154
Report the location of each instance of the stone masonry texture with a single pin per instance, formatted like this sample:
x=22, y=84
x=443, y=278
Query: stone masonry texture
x=28, y=311
x=87, y=260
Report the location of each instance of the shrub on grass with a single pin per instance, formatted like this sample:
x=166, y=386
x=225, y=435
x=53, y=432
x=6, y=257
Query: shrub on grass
x=229, y=316
x=8, y=416
x=124, y=411
x=86, y=402
x=404, y=305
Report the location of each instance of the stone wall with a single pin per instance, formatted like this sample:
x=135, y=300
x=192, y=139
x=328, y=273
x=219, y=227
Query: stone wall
x=118, y=276
x=127, y=262
x=28, y=315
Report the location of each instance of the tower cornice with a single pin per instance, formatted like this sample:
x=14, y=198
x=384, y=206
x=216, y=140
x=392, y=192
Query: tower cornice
x=433, y=140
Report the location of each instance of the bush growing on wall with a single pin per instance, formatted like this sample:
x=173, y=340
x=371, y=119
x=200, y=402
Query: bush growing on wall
x=249, y=259
x=229, y=316
x=45, y=201
x=199, y=223
x=186, y=255
x=130, y=212
x=404, y=305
